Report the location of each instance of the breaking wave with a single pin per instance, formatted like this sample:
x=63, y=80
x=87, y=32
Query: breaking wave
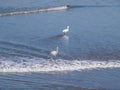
x=47, y=65
x=27, y=11
x=34, y=11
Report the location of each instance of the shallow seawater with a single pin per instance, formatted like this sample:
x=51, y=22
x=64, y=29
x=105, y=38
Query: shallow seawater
x=89, y=54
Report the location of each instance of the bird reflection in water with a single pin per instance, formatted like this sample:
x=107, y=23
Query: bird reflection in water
x=65, y=37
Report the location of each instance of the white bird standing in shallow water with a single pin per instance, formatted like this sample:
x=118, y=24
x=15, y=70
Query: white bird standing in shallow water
x=66, y=30
x=54, y=53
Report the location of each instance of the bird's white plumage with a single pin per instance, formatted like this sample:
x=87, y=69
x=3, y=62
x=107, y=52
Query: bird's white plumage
x=54, y=53
x=66, y=30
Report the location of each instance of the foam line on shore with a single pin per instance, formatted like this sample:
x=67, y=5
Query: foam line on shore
x=46, y=65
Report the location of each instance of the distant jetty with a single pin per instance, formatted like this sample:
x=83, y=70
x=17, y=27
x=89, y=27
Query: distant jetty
x=35, y=11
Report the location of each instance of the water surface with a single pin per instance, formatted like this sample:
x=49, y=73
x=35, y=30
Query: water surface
x=88, y=55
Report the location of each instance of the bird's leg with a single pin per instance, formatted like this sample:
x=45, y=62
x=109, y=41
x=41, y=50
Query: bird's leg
x=51, y=60
x=55, y=59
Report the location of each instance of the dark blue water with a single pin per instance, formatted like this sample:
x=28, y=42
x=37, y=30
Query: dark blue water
x=89, y=55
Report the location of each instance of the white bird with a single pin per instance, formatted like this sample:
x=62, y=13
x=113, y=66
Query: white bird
x=65, y=30
x=54, y=53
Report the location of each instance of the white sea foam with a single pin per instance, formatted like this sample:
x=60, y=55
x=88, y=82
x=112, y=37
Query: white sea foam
x=42, y=65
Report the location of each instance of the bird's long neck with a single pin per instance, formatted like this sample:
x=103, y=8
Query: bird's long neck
x=68, y=27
